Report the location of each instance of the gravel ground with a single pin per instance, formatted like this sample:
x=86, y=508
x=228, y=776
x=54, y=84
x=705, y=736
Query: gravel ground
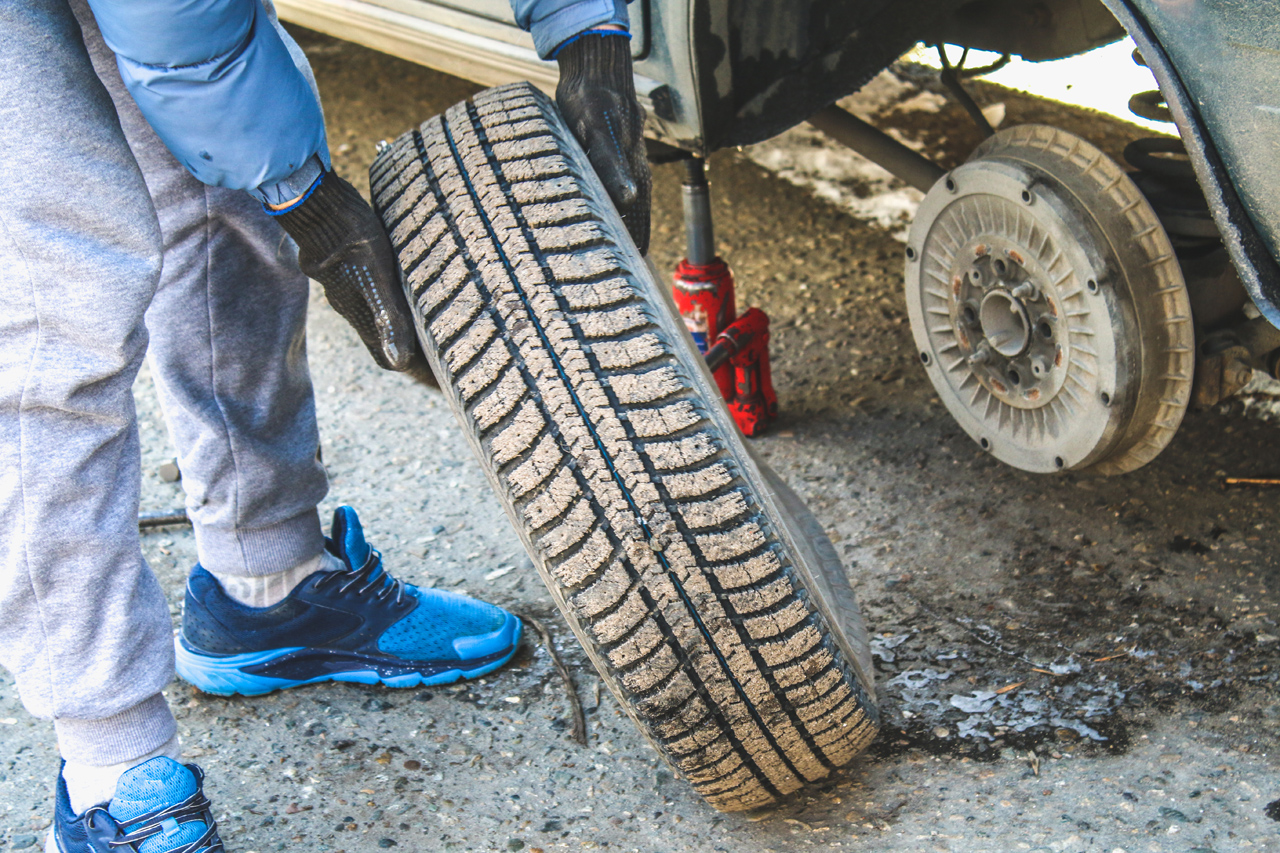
x=1064, y=664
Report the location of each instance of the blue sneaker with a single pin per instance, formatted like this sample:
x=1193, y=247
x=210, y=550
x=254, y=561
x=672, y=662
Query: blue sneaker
x=358, y=625
x=159, y=807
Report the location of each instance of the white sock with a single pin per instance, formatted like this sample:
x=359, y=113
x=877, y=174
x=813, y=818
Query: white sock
x=266, y=590
x=88, y=785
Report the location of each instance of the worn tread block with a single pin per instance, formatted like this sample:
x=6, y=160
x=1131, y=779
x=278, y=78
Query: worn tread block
x=483, y=373
x=755, y=599
x=785, y=651
x=635, y=389
x=730, y=544
x=605, y=592
x=533, y=471
x=574, y=528
x=556, y=209
x=776, y=623
x=512, y=130
x=422, y=235
x=752, y=570
x=812, y=691
x=552, y=500
x=583, y=564
x=611, y=324
x=622, y=621
x=821, y=707
x=641, y=644
x=500, y=401
x=519, y=435
x=630, y=352
x=471, y=343
x=520, y=149
x=715, y=513
x=806, y=670
x=681, y=453
x=694, y=484
x=461, y=310
x=597, y=294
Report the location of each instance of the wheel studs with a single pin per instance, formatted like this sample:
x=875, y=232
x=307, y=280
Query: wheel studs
x=1026, y=290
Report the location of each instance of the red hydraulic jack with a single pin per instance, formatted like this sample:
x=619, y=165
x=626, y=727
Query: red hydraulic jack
x=736, y=348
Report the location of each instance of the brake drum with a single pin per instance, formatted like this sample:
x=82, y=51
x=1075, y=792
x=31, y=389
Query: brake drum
x=1048, y=307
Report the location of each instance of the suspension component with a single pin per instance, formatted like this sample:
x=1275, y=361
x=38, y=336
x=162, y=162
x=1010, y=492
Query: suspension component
x=1163, y=172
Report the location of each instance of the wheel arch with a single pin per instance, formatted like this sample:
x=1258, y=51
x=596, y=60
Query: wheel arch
x=1252, y=258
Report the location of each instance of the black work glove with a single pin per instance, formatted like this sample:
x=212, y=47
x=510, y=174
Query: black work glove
x=342, y=245
x=597, y=97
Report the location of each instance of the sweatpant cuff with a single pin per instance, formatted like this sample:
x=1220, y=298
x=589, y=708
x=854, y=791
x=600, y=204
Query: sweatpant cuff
x=261, y=551
x=134, y=731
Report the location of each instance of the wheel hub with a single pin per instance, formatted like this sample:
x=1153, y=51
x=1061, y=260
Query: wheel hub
x=1007, y=324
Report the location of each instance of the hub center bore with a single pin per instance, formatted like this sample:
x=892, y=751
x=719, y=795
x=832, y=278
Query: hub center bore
x=1005, y=323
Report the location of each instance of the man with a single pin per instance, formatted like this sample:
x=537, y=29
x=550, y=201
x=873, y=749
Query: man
x=101, y=227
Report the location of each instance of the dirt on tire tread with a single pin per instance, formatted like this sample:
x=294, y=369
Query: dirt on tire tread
x=642, y=518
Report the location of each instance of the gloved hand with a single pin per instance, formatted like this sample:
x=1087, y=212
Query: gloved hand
x=597, y=97
x=342, y=245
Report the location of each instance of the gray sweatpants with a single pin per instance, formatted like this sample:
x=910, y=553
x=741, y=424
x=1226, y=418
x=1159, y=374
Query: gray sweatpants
x=108, y=249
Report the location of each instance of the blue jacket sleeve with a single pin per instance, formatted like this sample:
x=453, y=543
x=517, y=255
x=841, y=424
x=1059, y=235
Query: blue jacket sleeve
x=553, y=22
x=216, y=81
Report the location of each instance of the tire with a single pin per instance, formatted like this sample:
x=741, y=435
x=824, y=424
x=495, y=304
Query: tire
x=697, y=584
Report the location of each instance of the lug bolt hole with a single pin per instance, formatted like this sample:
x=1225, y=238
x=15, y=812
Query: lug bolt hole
x=1014, y=377
x=1059, y=462
x=1045, y=330
x=1106, y=399
x=911, y=254
x=986, y=445
x=925, y=358
x=970, y=316
x=1091, y=285
x=1027, y=197
x=950, y=185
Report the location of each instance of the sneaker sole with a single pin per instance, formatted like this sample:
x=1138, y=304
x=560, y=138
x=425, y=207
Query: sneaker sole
x=227, y=676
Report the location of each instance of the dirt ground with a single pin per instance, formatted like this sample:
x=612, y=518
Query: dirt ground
x=1063, y=663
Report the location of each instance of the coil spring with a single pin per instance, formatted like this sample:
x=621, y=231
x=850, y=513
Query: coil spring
x=1164, y=171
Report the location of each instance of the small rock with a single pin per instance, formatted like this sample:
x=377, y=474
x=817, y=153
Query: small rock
x=373, y=703
x=941, y=732
x=21, y=842
x=413, y=764
x=384, y=843
x=515, y=844
x=437, y=530
x=169, y=471
x=1173, y=814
